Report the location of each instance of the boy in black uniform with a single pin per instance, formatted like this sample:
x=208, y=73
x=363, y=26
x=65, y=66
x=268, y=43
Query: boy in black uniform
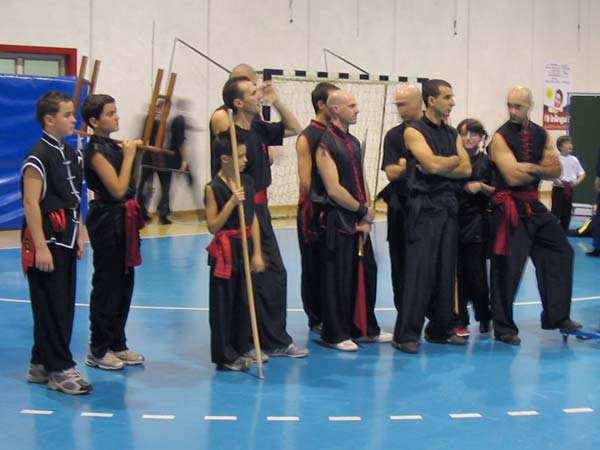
x=113, y=222
x=473, y=234
x=309, y=230
x=52, y=241
x=244, y=98
x=395, y=155
x=522, y=226
x=229, y=316
x=348, y=307
x=437, y=160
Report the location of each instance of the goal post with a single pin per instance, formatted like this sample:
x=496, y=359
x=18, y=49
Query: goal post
x=375, y=97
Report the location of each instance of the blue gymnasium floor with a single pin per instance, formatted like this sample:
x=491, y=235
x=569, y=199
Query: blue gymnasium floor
x=378, y=398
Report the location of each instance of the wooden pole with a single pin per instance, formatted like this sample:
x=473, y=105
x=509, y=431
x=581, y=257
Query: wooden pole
x=248, y=275
x=149, y=148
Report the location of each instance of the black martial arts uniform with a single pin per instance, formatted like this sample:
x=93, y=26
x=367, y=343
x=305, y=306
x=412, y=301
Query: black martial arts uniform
x=113, y=227
x=53, y=293
x=395, y=194
x=310, y=233
x=473, y=238
x=229, y=317
x=340, y=254
x=432, y=237
x=270, y=286
x=534, y=232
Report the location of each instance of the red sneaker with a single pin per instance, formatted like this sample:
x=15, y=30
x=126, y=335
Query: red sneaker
x=461, y=331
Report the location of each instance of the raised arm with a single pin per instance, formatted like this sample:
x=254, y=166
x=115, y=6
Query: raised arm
x=117, y=184
x=270, y=95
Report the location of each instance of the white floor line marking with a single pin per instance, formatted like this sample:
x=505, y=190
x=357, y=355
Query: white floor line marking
x=409, y=417
x=226, y=418
x=39, y=412
x=283, y=418
x=522, y=413
x=345, y=418
x=294, y=310
x=577, y=410
x=93, y=414
x=465, y=415
x=159, y=416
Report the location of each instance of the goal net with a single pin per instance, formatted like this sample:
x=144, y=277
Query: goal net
x=375, y=97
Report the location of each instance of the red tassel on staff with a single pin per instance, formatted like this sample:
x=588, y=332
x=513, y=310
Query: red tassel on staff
x=360, y=305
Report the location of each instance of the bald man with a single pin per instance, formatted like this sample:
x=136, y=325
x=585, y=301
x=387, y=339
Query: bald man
x=347, y=215
x=409, y=105
x=524, y=154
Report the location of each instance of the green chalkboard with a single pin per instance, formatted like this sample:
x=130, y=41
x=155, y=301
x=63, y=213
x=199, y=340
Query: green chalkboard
x=584, y=128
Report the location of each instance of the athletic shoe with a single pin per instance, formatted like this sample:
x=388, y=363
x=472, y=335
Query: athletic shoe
x=252, y=355
x=461, y=331
x=164, y=220
x=129, y=358
x=241, y=364
x=382, y=337
x=69, y=381
x=406, y=347
x=291, y=351
x=317, y=329
x=484, y=327
x=595, y=253
x=37, y=373
x=345, y=346
x=453, y=339
x=510, y=339
x=108, y=362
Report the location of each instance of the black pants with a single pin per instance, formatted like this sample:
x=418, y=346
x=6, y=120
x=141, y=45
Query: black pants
x=310, y=284
x=541, y=238
x=229, y=318
x=562, y=205
x=429, y=276
x=53, y=306
x=110, y=300
x=340, y=279
x=164, y=177
x=270, y=288
x=472, y=283
x=396, y=237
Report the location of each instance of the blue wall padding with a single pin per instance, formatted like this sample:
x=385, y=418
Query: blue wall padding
x=19, y=131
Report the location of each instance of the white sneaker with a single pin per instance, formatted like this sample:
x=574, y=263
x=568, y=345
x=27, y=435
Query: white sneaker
x=108, y=362
x=345, y=346
x=129, y=358
x=381, y=338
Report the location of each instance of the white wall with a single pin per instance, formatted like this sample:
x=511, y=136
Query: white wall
x=494, y=44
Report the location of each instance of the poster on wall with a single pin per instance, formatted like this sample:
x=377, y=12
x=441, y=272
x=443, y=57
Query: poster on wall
x=557, y=84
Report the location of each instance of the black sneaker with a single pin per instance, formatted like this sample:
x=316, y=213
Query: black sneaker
x=164, y=220
x=484, y=327
x=569, y=325
x=594, y=253
x=453, y=339
x=510, y=339
x=406, y=347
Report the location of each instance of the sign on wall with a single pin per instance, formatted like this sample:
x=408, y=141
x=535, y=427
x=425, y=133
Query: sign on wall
x=557, y=83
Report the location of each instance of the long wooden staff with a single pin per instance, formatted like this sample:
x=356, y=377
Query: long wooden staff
x=245, y=253
x=149, y=148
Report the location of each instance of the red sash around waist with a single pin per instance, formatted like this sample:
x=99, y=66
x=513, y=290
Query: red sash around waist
x=260, y=197
x=133, y=223
x=220, y=249
x=511, y=216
